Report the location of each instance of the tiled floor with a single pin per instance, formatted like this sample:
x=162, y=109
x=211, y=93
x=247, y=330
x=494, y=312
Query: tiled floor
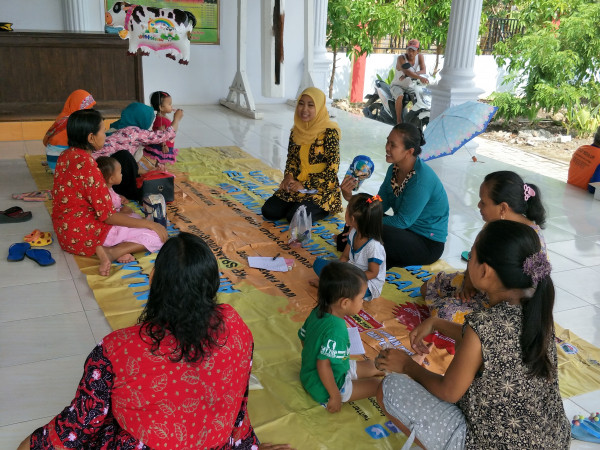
x=49, y=319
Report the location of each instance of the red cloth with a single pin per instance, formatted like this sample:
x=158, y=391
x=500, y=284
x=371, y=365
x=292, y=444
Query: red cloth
x=81, y=203
x=583, y=164
x=133, y=399
x=164, y=123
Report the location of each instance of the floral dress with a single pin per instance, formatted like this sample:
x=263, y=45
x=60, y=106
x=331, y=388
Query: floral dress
x=81, y=203
x=132, y=398
x=324, y=154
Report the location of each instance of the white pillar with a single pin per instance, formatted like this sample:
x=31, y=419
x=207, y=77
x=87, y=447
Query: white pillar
x=457, y=77
x=83, y=15
x=321, y=70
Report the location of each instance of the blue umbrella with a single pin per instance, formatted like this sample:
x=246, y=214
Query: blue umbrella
x=455, y=127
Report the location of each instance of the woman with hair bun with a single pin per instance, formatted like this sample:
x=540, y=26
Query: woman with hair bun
x=416, y=231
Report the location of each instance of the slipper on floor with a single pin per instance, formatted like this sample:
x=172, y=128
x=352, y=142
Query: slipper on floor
x=38, y=238
x=12, y=210
x=586, y=429
x=15, y=217
x=40, y=196
x=16, y=252
x=40, y=256
x=44, y=195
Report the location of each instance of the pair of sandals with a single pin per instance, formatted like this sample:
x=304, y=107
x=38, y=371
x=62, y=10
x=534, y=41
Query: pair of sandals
x=18, y=252
x=38, y=238
x=586, y=428
x=15, y=214
x=34, y=196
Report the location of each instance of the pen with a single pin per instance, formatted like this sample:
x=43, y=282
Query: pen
x=276, y=256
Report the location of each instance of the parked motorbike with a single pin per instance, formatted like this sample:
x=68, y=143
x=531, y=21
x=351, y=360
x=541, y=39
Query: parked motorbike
x=381, y=105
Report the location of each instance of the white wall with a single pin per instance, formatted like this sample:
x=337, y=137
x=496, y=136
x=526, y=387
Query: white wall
x=212, y=67
x=487, y=74
x=27, y=15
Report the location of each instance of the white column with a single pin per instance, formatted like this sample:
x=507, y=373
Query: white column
x=321, y=70
x=457, y=77
x=83, y=15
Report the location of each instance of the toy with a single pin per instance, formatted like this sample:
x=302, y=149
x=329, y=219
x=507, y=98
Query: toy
x=153, y=28
x=361, y=168
x=586, y=429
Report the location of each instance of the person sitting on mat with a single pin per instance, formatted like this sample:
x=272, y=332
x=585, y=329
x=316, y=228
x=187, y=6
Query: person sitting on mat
x=310, y=176
x=327, y=373
x=126, y=140
x=177, y=379
x=584, y=167
x=364, y=248
x=501, y=388
x=83, y=216
x=416, y=232
x=502, y=195
x=55, y=139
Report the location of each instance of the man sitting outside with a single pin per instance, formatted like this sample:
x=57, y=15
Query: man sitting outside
x=585, y=165
x=409, y=66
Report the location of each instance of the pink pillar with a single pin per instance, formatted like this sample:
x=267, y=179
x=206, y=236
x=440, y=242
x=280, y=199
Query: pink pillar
x=358, y=79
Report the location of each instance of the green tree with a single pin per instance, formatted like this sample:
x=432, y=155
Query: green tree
x=556, y=60
x=355, y=24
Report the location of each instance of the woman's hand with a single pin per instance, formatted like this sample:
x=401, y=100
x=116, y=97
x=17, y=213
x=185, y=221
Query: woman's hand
x=418, y=335
x=159, y=229
x=392, y=360
x=467, y=290
x=347, y=186
x=294, y=186
x=335, y=403
x=287, y=179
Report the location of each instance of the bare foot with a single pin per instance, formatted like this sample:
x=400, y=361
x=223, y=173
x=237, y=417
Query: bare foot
x=126, y=258
x=314, y=282
x=105, y=261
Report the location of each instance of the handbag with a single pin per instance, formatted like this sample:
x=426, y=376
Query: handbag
x=154, y=208
x=157, y=182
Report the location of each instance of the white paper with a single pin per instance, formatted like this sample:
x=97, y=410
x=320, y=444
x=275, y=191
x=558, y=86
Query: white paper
x=596, y=184
x=356, y=344
x=308, y=191
x=268, y=263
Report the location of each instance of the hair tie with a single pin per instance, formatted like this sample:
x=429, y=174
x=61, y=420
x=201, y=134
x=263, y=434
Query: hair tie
x=375, y=198
x=537, y=267
x=528, y=191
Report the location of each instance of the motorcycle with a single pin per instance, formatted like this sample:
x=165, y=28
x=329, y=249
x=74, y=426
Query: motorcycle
x=381, y=105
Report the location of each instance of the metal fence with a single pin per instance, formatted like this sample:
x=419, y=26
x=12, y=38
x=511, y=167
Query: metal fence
x=497, y=30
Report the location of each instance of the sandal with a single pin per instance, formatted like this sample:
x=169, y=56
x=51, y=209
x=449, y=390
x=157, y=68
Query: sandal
x=586, y=429
x=40, y=256
x=16, y=252
x=38, y=238
x=15, y=215
x=34, y=196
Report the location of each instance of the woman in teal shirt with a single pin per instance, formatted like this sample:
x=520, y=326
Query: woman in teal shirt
x=416, y=232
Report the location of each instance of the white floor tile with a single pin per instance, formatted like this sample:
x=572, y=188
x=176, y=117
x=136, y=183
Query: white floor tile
x=564, y=301
x=45, y=338
x=583, y=283
x=12, y=435
x=40, y=389
x=585, y=251
x=582, y=321
x=37, y=300
x=98, y=324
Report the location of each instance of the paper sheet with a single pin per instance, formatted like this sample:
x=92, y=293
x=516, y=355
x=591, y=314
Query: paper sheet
x=356, y=344
x=268, y=263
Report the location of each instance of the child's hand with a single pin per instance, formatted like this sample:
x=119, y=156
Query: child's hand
x=417, y=335
x=178, y=114
x=165, y=149
x=335, y=403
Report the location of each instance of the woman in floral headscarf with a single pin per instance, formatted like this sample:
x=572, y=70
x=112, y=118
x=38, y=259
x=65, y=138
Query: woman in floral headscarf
x=310, y=176
x=55, y=139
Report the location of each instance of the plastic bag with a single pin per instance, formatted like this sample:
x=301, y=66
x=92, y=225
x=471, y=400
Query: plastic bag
x=154, y=208
x=300, y=227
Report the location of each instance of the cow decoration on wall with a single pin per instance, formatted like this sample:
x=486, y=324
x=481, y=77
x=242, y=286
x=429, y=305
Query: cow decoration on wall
x=152, y=28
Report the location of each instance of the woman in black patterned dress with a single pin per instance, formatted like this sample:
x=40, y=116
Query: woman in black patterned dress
x=313, y=160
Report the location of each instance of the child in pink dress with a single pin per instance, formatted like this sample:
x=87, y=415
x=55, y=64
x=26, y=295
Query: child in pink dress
x=111, y=171
x=164, y=153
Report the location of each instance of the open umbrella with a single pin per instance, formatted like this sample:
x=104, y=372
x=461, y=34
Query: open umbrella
x=455, y=127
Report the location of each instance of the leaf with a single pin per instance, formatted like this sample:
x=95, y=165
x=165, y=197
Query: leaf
x=167, y=407
x=159, y=382
x=191, y=377
x=161, y=430
x=132, y=367
x=190, y=404
x=180, y=432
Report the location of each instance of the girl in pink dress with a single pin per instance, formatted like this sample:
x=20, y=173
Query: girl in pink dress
x=164, y=153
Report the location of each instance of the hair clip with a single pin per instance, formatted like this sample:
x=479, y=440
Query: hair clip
x=537, y=267
x=375, y=198
x=528, y=191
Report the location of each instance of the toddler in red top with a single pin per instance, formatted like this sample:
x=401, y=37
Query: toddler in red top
x=164, y=153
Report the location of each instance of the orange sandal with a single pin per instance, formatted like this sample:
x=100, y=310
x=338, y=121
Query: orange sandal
x=38, y=238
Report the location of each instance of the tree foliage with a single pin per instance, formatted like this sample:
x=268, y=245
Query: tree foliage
x=556, y=61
